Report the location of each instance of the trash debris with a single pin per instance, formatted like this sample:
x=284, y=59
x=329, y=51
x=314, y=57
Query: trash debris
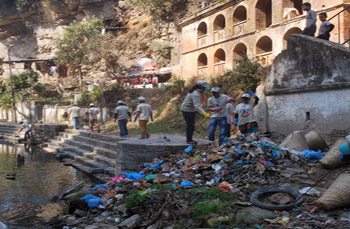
x=295, y=141
x=92, y=201
x=312, y=155
x=333, y=158
x=315, y=141
x=310, y=191
x=337, y=195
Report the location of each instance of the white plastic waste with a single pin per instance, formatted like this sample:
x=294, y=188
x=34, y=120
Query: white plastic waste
x=310, y=191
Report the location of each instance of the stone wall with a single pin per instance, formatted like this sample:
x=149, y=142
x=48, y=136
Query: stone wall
x=307, y=88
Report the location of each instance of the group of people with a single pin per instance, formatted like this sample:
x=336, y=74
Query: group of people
x=143, y=115
x=220, y=110
x=122, y=114
x=311, y=19
x=90, y=117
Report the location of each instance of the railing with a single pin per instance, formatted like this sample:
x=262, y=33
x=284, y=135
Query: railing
x=347, y=42
x=265, y=59
x=238, y=28
x=202, y=40
x=219, y=68
x=219, y=35
x=202, y=71
x=339, y=22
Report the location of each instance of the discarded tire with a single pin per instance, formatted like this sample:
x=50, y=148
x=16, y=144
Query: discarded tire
x=257, y=195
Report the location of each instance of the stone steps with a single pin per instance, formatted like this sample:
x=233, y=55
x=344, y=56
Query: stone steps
x=92, y=153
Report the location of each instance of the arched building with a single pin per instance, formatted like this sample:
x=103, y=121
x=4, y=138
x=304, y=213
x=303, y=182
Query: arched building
x=216, y=37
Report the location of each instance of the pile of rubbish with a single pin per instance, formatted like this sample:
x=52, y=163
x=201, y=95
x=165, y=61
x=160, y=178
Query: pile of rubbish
x=188, y=185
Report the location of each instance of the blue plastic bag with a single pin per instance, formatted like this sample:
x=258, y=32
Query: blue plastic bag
x=239, y=150
x=188, y=149
x=99, y=186
x=186, y=183
x=133, y=176
x=92, y=201
x=312, y=155
x=154, y=166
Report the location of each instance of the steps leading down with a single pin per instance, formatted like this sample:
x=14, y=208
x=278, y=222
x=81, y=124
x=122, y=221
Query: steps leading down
x=91, y=153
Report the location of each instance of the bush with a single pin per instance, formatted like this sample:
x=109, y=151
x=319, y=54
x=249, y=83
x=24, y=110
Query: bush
x=176, y=87
x=160, y=8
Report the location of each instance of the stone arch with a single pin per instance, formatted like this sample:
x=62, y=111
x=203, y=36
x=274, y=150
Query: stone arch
x=240, y=14
x=239, y=51
x=202, y=29
x=219, y=22
x=219, y=56
x=264, y=45
x=202, y=60
x=263, y=14
x=294, y=30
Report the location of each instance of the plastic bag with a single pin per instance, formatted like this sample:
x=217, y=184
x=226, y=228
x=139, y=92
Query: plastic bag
x=312, y=155
x=186, y=183
x=117, y=179
x=99, y=186
x=188, y=149
x=133, y=176
x=225, y=187
x=154, y=166
x=150, y=177
x=92, y=201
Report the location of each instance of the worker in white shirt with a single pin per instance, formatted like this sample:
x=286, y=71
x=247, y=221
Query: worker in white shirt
x=311, y=19
x=143, y=114
x=74, y=114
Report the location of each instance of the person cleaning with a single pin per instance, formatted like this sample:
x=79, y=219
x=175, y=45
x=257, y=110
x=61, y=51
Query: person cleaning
x=123, y=115
x=27, y=127
x=217, y=107
x=244, y=114
x=191, y=105
x=144, y=114
x=230, y=113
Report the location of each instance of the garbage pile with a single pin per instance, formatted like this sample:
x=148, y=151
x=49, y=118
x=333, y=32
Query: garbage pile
x=198, y=186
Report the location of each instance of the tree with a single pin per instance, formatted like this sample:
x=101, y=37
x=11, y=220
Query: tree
x=159, y=8
x=246, y=74
x=80, y=44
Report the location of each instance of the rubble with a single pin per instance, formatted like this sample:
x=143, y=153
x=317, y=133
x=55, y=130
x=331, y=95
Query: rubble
x=210, y=188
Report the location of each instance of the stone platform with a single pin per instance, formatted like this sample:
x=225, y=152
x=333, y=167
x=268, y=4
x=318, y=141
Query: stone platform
x=105, y=155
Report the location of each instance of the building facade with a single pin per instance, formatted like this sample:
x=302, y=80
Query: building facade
x=217, y=36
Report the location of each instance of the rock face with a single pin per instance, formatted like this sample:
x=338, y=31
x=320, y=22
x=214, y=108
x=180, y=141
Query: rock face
x=307, y=88
x=309, y=63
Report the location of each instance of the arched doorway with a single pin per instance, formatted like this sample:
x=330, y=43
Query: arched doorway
x=202, y=29
x=219, y=26
x=294, y=30
x=239, y=15
x=263, y=14
x=202, y=60
x=264, y=50
x=289, y=5
x=219, y=61
x=240, y=51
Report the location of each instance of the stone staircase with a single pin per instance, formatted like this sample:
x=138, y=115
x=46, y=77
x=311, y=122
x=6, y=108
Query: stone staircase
x=92, y=153
x=8, y=131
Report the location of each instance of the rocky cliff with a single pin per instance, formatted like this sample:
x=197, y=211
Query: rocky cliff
x=132, y=32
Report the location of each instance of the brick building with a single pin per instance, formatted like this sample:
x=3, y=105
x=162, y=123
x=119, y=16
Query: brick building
x=215, y=37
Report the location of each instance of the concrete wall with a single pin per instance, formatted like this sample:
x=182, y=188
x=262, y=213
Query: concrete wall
x=247, y=33
x=308, y=87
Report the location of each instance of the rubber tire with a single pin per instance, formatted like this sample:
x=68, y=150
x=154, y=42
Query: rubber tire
x=254, y=199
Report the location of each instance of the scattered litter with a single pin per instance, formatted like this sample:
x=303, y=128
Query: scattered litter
x=310, y=191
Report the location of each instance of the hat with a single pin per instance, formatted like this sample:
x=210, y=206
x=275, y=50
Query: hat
x=202, y=83
x=92, y=105
x=245, y=95
x=141, y=98
x=120, y=102
x=216, y=89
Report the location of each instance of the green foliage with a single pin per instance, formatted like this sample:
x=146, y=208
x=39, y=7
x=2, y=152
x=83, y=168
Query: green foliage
x=135, y=199
x=96, y=93
x=246, y=75
x=80, y=43
x=22, y=84
x=176, y=87
x=159, y=7
x=205, y=208
x=24, y=4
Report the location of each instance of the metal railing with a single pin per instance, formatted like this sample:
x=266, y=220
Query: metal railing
x=339, y=22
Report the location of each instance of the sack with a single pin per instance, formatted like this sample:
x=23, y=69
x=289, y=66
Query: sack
x=315, y=141
x=333, y=157
x=337, y=195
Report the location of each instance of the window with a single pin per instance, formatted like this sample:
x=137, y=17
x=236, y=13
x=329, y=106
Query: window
x=291, y=31
x=202, y=29
x=219, y=22
x=263, y=14
x=264, y=45
x=239, y=51
x=202, y=60
x=240, y=14
x=219, y=56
